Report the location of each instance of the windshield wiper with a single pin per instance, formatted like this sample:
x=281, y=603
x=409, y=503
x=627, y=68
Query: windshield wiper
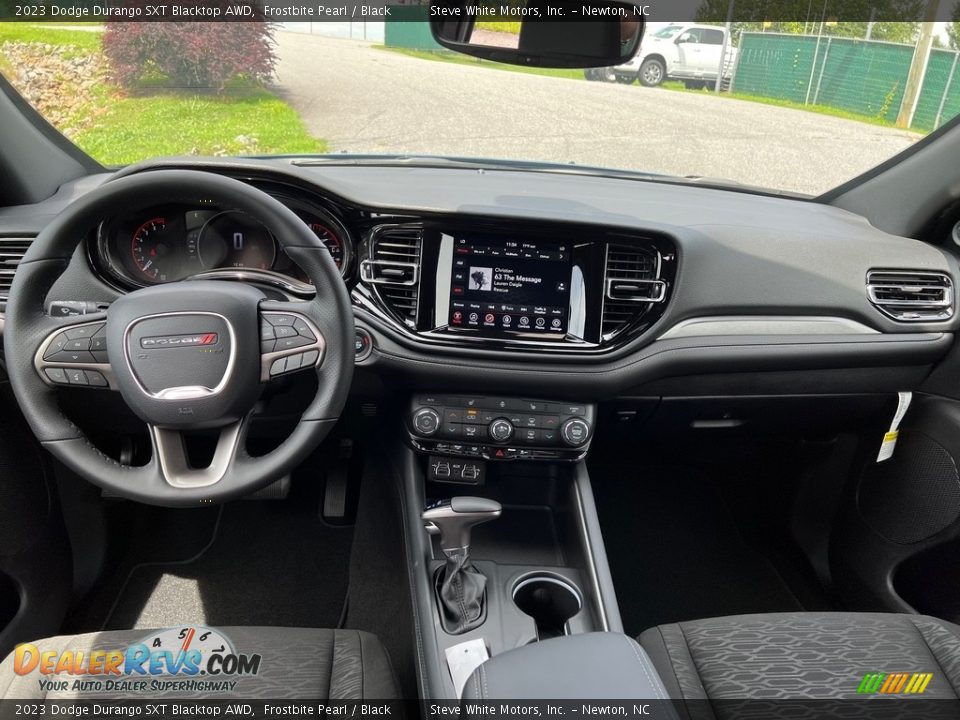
x=440, y=161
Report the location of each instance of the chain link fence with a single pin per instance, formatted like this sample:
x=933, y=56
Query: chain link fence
x=860, y=76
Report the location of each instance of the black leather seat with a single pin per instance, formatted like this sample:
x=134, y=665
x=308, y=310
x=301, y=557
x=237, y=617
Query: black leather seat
x=809, y=655
x=295, y=664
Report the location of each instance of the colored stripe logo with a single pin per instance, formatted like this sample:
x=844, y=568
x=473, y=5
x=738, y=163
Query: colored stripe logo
x=894, y=683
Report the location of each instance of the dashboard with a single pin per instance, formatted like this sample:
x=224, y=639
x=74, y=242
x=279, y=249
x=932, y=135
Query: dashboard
x=580, y=285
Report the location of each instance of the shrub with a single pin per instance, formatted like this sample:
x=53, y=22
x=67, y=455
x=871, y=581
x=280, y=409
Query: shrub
x=190, y=54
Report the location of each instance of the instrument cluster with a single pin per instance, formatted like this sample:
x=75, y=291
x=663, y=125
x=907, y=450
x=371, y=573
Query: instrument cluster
x=171, y=242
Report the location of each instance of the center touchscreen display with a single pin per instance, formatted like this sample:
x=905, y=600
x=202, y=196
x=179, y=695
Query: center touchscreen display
x=500, y=286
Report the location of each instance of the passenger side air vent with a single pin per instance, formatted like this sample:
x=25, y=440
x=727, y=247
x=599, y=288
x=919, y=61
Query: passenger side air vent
x=12, y=251
x=394, y=268
x=911, y=296
x=631, y=286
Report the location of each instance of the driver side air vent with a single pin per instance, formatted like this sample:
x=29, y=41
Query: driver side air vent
x=911, y=296
x=631, y=286
x=394, y=268
x=12, y=250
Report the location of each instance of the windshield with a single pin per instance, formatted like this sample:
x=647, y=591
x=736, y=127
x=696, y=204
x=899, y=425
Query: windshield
x=667, y=32
x=799, y=107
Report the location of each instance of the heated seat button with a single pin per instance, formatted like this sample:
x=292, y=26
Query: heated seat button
x=76, y=376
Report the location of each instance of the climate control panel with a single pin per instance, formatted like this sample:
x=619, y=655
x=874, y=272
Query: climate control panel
x=500, y=428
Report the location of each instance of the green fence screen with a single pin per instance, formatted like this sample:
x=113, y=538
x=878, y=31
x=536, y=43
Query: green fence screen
x=409, y=29
x=859, y=76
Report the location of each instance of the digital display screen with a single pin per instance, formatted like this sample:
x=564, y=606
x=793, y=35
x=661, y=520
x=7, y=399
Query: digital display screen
x=499, y=286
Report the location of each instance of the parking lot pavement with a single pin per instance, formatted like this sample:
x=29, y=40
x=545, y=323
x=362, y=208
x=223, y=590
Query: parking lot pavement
x=362, y=98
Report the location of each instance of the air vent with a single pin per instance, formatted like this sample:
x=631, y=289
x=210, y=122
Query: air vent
x=631, y=286
x=12, y=251
x=394, y=268
x=911, y=296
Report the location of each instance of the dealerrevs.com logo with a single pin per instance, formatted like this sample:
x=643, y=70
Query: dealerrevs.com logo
x=177, y=659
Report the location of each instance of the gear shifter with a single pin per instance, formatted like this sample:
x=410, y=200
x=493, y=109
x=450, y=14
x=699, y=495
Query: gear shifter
x=460, y=586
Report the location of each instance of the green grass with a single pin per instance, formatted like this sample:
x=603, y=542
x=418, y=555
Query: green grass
x=52, y=34
x=458, y=59
x=505, y=26
x=777, y=102
x=135, y=128
x=132, y=126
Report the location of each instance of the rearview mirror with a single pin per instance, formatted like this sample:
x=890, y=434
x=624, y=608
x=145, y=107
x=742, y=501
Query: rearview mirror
x=592, y=33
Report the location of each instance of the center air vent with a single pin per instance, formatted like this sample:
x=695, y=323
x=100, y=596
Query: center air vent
x=393, y=268
x=12, y=251
x=911, y=296
x=632, y=285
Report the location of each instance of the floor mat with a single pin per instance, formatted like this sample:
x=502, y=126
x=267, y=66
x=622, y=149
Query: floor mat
x=269, y=563
x=675, y=552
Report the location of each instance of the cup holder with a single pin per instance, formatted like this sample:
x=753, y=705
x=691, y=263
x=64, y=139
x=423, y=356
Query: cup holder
x=550, y=600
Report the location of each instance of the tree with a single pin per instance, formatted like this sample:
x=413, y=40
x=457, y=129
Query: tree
x=894, y=20
x=953, y=32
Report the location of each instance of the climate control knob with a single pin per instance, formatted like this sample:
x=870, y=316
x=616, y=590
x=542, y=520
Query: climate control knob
x=575, y=432
x=426, y=421
x=500, y=430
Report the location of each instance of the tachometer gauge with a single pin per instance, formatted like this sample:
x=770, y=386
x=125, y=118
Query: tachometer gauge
x=331, y=241
x=152, y=251
x=234, y=240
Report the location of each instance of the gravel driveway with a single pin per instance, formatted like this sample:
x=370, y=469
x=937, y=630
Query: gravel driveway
x=366, y=99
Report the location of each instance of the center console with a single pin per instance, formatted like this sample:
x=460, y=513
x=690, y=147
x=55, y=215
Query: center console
x=498, y=428
x=504, y=543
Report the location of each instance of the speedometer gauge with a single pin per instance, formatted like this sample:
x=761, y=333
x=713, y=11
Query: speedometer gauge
x=151, y=251
x=331, y=241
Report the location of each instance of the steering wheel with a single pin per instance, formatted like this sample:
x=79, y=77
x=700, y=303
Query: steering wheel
x=184, y=356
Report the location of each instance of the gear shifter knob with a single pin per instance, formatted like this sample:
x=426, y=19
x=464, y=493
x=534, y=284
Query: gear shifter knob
x=454, y=519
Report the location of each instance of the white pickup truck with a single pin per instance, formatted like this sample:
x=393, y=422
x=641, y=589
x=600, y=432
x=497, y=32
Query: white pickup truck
x=690, y=53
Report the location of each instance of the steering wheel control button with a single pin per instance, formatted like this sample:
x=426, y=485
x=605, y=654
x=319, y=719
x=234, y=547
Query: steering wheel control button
x=75, y=376
x=85, y=331
x=95, y=378
x=280, y=319
x=289, y=343
x=426, y=422
x=303, y=330
x=575, y=432
x=284, y=331
x=56, y=375
x=310, y=358
x=56, y=345
x=501, y=430
x=71, y=357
